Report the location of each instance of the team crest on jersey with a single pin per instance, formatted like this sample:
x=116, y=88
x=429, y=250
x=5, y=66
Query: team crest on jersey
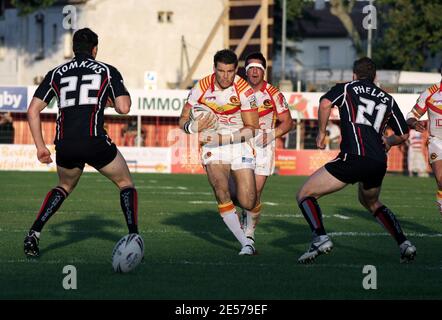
x=208, y=155
x=234, y=100
x=267, y=103
x=433, y=156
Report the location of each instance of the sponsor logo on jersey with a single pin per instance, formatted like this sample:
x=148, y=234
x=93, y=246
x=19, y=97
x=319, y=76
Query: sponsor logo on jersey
x=249, y=92
x=247, y=160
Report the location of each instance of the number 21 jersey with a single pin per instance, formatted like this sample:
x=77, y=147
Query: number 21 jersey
x=365, y=111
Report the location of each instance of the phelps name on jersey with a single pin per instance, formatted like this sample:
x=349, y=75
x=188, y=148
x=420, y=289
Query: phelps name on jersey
x=82, y=87
x=365, y=111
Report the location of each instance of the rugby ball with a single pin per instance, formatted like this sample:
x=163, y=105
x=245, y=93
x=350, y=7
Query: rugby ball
x=128, y=253
x=199, y=109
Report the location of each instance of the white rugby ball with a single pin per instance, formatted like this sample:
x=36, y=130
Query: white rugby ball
x=199, y=109
x=128, y=253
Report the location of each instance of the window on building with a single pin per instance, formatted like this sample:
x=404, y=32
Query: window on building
x=165, y=16
x=54, y=34
x=169, y=15
x=2, y=48
x=2, y=9
x=324, y=57
x=160, y=16
x=40, y=36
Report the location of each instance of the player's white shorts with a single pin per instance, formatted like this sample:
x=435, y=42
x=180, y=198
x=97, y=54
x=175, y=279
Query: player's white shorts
x=265, y=159
x=434, y=149
x=238, y=155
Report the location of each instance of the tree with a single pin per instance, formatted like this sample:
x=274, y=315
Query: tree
x=410, y=33
x=28, y=6
x=342, y=9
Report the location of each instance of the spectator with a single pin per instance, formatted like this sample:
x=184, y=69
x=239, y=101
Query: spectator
x=130, y=134
x=333, y=136
x=6, y=128
x=416, y=158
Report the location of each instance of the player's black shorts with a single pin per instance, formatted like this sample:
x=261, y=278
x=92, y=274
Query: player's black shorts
x=95, y=151
x=351, y=168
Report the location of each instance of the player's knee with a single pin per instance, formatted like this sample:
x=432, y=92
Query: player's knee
x=67, y=187
x=248, y=201
x=439, y=183
x=125, y=183
x=303, y=193
x=222, y=195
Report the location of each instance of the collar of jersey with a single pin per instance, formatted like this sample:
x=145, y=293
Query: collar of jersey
x=81, y=56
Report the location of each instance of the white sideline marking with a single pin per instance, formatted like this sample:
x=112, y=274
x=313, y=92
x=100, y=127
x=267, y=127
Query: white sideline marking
x=271, y=203
x=204, y=263
x=340, y=216
x=202, y=202
x=171, y=231
x=163, y=187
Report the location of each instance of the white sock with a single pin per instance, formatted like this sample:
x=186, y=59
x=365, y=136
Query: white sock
x=232, y=222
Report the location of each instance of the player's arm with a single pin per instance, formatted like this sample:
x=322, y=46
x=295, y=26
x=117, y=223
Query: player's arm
x=413, y=119
x=324, y=112
x=418, y=111
x=250, y=120
x=399, y=125
x=35, y=107
x=334, y=97
x=119, y=95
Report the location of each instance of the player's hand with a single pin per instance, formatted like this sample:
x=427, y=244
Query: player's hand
x=386, y=144
x=419, y=126
x=209, y=138
x=264, y=138
x=110, y=103
x=320, y=140
x=44, y=155
x=204, y=121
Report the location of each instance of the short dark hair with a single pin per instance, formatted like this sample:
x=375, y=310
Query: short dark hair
x=84, y=41
x=225, y=56
x=256, y=56
x=365, y=68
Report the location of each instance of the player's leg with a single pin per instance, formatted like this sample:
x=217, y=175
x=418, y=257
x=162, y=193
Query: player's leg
x=218, y=176
x=68, y=179
x=253, y=215
x=437, y=170
x=317, y=185
x=369, y=198
x=118, y=172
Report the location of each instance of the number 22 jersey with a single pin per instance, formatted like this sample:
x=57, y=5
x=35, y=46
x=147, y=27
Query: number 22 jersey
x=82, y=87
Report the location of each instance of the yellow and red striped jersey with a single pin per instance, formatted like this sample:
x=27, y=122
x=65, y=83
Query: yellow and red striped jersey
x=430, y=101
x=270, y=102
x=227, y=103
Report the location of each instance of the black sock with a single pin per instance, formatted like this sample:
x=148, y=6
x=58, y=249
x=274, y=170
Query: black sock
x=312, y=213
x=388, y=220
x=50, y=205
x=129, y=205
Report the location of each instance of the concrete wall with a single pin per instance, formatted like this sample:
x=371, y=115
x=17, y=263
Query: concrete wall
x=130, y=38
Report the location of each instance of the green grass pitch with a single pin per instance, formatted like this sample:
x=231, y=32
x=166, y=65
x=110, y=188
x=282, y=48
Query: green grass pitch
x=190, y=254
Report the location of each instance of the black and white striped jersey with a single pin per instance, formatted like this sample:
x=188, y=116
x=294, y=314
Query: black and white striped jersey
x=81, y=87
x=365, y=111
